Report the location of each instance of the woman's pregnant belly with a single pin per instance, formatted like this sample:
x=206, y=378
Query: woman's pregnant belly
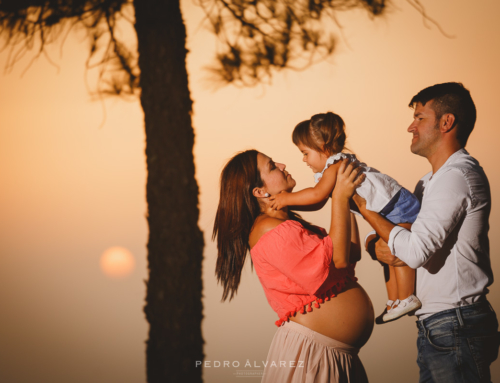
x=348, y=317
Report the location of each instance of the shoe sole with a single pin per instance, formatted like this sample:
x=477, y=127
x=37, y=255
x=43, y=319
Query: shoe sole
x=409, y=313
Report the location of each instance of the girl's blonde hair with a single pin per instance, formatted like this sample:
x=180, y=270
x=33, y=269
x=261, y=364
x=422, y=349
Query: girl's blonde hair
x=324, y=132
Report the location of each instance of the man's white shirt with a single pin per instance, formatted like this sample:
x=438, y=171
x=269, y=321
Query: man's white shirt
x=448, y=243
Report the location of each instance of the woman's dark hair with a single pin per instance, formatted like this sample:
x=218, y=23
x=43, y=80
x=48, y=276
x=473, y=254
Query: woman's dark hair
x=237, y=211
x=454, y=98
x=324, y=132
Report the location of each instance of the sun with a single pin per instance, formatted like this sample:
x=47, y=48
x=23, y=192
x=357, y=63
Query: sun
x=117, y=262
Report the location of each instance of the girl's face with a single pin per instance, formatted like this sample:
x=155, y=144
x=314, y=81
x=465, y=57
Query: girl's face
x=314, y=159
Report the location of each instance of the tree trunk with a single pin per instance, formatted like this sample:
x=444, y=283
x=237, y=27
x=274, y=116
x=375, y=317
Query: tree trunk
x=175, y=247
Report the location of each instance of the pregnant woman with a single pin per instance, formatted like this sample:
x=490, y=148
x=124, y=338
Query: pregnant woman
x=325, y=316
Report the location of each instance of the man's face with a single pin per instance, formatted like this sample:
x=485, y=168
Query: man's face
x=425, y=130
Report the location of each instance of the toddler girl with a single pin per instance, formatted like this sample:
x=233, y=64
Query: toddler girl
x=321, y=141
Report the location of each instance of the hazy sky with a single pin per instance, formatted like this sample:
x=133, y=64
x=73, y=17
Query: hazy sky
x=73, y=185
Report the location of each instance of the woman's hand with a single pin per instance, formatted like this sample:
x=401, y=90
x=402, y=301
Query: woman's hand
x=348, y=179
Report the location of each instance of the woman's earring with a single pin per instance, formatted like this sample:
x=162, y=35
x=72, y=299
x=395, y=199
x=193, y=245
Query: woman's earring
x=266, y=195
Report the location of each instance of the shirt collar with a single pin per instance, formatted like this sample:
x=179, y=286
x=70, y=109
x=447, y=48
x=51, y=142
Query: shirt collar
x=455, y=156
x=451, y=159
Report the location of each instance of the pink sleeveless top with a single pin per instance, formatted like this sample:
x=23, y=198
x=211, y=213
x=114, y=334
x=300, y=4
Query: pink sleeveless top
x=295, y=268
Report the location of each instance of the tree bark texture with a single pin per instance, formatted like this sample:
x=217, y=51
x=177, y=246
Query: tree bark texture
x=175, y=247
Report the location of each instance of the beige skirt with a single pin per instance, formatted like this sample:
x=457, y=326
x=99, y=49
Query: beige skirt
x=301, y=355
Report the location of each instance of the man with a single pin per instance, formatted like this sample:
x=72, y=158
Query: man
x=448, y=243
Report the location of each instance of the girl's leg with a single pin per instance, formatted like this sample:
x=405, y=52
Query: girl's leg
x=408, y=303
x=392, y=291
x=391, y=283
x=405, y=276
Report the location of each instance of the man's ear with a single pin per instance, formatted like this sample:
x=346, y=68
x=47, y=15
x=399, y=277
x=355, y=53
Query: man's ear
x=259, y=193
x=447, y=122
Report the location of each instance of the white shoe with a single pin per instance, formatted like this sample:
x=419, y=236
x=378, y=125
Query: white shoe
x=391, y=304
x=407, y=306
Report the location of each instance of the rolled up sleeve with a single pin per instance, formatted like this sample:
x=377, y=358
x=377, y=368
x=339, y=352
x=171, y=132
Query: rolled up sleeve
x=373, y=232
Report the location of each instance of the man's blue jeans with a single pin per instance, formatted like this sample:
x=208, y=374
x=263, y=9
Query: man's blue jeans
x=458, y=345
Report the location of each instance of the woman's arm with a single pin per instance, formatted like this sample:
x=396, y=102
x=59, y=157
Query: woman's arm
x=355, y=254
x=341, y=225
x=308, y=196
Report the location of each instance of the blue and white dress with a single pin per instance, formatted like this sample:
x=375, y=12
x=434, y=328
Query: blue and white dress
x=383, y=194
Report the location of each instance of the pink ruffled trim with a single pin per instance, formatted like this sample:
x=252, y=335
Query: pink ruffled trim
x=331, y=292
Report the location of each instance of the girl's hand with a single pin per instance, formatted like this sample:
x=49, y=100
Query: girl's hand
x=348, y=179
x=278, y=201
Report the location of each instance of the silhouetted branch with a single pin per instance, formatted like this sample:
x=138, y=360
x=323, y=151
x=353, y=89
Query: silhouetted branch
x=259, y=35
x=420, y=8
x=28, y=23
x=255, y=36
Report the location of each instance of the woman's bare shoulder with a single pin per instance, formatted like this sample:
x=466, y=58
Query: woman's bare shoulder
x=261, y=226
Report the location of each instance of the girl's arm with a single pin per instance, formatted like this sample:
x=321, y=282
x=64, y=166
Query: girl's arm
x=342, y=230
x=308, y=196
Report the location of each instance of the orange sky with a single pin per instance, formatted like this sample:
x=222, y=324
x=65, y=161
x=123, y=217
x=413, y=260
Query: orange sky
x=73, y=185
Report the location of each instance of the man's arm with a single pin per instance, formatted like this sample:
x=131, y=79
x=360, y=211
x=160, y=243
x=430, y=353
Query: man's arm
x=445, y=205
x=382, y=226
x=376, y=244
x=378, y=248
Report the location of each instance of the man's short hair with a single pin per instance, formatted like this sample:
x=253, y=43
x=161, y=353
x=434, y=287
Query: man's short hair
x=454, y=98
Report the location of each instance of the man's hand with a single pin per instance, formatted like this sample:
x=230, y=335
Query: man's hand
x=378, y=249
x=278, y=201
x=360, y=201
